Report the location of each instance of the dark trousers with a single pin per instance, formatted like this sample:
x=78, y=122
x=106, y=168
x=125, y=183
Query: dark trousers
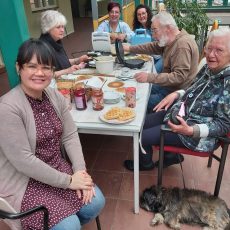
x=151, y=136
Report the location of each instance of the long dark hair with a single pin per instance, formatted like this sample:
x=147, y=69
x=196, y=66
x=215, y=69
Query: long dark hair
x=136, y=23
x=36, y=47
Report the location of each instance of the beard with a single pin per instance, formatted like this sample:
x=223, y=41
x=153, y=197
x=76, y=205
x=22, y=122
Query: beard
x=163, y=41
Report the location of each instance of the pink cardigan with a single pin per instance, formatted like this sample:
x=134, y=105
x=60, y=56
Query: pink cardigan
x=18, y=162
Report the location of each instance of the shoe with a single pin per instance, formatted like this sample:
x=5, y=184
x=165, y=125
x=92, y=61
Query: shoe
x=129, y=164
x=171, y=159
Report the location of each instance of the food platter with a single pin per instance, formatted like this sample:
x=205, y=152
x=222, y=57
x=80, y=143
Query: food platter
x=114, y=121
x=121, y=120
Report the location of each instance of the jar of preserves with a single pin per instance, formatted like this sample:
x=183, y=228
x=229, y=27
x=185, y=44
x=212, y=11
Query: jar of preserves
x=97, y=99
x=80, y=98
x=130, y=97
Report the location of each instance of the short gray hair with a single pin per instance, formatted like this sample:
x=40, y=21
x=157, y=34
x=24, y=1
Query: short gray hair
x=221, y=32
x=165, y=19
x=51, y=19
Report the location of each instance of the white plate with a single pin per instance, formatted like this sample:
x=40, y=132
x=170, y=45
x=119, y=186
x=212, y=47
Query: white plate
x=114, y=121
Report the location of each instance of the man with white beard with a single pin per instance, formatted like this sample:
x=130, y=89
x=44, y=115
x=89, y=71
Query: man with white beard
x=180, y=58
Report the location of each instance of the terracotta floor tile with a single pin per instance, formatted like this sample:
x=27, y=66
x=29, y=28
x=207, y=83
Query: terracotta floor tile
x=90, y=156
x=125, y=219
x=91, y=141
x=127, y=187
x=110, y=160
x=108, y=182
x=106, y=216
x=118, y=143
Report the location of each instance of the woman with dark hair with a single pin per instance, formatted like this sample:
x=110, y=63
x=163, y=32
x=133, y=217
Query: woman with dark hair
x=37, y=127
x=142, y=19
x=117, y=29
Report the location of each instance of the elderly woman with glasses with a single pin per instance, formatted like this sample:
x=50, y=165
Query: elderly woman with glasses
x=117, y=29
x=53, y=30
x=36, y=130
x=203, y=109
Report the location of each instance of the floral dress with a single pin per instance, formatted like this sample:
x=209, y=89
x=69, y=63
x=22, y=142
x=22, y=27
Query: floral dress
x=60, y=203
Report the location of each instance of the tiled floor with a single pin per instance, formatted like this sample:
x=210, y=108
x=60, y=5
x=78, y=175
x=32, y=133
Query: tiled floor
x=104, y=157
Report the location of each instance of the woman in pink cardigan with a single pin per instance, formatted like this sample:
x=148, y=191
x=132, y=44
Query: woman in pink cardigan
x=36, y=126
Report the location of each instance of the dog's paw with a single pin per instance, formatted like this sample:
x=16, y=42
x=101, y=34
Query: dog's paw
x=158, y=219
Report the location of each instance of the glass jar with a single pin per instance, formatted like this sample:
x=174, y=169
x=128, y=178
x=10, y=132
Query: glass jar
x=97, y=99
x=130, y=97
x=80, y=98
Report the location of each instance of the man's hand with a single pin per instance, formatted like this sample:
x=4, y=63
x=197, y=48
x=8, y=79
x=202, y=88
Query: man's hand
x=126, y=47
x=141, y=77
x=166, y=102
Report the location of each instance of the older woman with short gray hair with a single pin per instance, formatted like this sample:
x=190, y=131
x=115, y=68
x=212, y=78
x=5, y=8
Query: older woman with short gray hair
x=53, y=30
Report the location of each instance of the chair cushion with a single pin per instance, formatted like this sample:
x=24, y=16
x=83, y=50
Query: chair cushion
x=176, y=150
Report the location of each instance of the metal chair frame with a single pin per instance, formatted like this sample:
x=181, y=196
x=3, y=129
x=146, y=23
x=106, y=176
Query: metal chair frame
x=8, y=212
x=224, y=141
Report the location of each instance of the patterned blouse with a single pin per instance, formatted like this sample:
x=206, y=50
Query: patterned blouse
x=60, y=203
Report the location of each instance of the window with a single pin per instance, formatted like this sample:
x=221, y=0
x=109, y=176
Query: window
x=42, y=4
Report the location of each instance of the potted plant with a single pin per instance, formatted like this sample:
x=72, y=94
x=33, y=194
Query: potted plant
x=190, y=16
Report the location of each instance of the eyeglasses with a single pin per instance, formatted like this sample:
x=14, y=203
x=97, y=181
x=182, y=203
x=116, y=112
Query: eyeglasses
x=155, y=30
x=114, y=12
x=142, y=14
x=33, y=68
x=216, y=51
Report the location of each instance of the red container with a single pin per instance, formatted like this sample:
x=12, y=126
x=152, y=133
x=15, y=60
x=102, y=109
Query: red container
x=80, y=99
x=130, y=97
x=97, y=99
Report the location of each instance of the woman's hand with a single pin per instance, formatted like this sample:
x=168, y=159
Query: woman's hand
x=81, y=180
x=84, y=58
x=113, y=37
x=121, y=37
x=182, y=128
x=166, y=102
x=87, y=195
x=72, y=68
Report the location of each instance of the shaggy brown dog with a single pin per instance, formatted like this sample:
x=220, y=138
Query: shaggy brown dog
x=173, y=206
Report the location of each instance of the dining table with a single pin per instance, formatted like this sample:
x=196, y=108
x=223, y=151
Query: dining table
x=89, y=121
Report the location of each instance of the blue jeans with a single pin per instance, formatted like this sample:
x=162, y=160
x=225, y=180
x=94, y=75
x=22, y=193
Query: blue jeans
x=84, y=215
x=158, y=64
x=151, y=136
x=157, y=94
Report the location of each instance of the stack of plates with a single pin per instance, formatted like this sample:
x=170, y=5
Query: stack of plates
x=111, y=97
